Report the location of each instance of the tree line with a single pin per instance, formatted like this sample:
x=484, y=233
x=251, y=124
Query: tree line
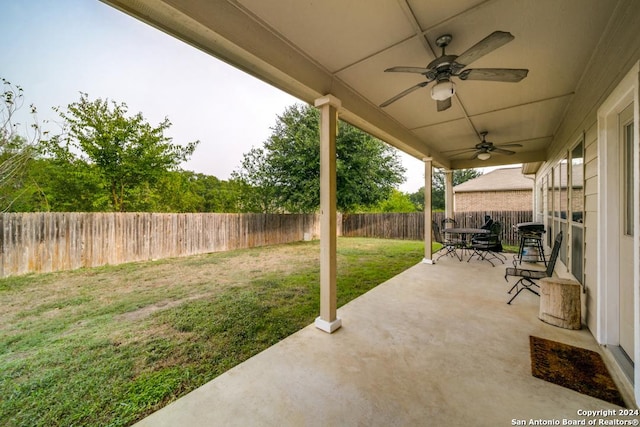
x=106, y=159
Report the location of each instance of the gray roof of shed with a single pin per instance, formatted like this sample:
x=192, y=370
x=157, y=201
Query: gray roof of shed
x=505, y=179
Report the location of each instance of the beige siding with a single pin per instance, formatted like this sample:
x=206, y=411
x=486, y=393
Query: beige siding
x=591, y=226
x=620, y=45
x=520, y=200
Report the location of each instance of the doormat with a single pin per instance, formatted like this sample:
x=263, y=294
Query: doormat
x=576, y=368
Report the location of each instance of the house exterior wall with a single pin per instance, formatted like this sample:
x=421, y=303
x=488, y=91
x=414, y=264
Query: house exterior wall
x=581, y=124
x=591, y=226
x=620, y=44
x=515, y=200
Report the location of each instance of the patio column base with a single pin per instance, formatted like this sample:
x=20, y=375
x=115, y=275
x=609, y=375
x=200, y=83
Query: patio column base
x=328, y=327
x=428, y=261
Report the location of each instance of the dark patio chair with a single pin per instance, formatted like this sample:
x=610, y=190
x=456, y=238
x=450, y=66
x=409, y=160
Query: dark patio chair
x=528, y=278
x=486, y=226
x=449, y=223
x=448, y=248
x=451, y=238
x=487, y=247
x=487, y=222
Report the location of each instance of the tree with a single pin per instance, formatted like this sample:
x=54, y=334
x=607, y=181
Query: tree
x=15, y=150
x=62, y=186
x=438, y=190
x=258, y=183
x=186, y=191
x=397, y=202
x=127, y=154
x=284, y=175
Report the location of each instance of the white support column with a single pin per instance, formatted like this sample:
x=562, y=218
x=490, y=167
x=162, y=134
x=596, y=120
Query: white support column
x=428, y=233
x=448, y=193
x=328, y=320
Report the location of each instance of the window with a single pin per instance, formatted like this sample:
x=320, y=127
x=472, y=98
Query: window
x=549, y=181
x=560, y=198
x=540, y=202
x=556, y=191
x=577, y=211
x=564, y=189
x=628, y=178
x=577, y=183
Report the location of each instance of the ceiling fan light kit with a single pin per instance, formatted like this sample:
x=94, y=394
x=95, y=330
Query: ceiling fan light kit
x=484, y=156
x=443, y=90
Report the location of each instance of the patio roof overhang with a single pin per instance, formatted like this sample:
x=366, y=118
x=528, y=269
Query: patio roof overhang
x=333, y=54
x=311, y=49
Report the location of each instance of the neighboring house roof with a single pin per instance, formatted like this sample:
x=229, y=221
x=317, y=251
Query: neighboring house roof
x=505, y=179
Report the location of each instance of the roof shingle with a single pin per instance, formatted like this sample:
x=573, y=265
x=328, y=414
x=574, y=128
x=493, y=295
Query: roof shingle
x=505, y=179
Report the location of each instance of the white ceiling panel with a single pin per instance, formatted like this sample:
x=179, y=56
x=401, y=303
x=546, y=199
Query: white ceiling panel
x=380, y=86
x=335, y=33
x=430, y=14
x=314, y=47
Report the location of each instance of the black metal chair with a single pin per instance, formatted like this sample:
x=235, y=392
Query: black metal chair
x=487, y=247
x=449, y=223
x=487, y=222
x=448, y=247
x=528, y=278
x=450, y=238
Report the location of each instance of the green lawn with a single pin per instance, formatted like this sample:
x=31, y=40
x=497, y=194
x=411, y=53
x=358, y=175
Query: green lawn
x=108, y=346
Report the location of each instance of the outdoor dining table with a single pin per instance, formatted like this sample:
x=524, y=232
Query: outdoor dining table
x=463, y=232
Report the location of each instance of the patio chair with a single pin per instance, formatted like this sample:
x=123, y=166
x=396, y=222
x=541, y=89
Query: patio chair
x=449, y=223
x=449, y=248
x=487, y=247
x=452, y=239
x=487, y=222
x=528, y=278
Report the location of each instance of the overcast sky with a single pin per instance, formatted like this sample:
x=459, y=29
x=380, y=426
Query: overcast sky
x=55, y=49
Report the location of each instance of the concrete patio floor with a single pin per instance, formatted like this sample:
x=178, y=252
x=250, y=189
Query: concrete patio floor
x=435, y=345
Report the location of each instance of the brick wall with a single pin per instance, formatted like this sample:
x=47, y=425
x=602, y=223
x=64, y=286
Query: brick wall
x=517, y=200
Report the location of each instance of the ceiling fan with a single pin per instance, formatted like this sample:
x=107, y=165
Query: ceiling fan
x=443, y=68
x=483, y=150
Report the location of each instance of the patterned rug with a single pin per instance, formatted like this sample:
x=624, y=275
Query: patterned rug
x=576, y=368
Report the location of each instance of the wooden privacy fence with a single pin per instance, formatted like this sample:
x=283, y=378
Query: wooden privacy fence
x=45, y=242
x=410, y=226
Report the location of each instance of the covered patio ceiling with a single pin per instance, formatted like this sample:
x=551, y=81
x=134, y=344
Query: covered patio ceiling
x=313, y=48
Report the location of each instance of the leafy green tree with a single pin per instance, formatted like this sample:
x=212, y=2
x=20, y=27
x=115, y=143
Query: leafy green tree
x=398, y=202
x=284, y=175
x=126, y=154
x=417, y=199
x=217, y=195
x=16, y=150
x=57, y=186
x=66, y=185
x=437, y=191
x=186, y=191
x=258, y=183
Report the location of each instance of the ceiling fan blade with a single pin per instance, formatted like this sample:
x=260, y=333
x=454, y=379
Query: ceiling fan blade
x=403, y=93
x=511, y=75
x=444, y=105
x=501, y=151
x=462, y=152
x=508, y=145
x=484, y=46
x=418, y=70
x=459, y=150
